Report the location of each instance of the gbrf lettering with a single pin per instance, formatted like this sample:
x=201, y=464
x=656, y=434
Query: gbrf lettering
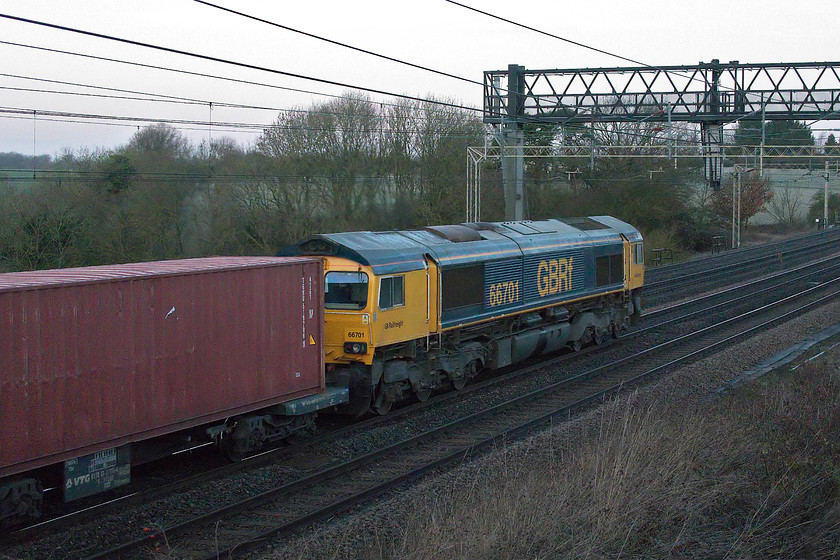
x=554, y=276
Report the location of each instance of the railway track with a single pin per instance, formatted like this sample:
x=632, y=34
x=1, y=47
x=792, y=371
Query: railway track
x=700, y=304
x=667, y=283
x=289, y=507
x=681, y=313
x=748, y=293
x=733, y=256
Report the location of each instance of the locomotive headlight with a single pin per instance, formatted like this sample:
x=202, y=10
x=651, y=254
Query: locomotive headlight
x=355, y=347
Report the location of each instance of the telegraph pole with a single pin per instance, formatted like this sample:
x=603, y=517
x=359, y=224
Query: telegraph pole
x=825, y=197
x=739, y=209
x=738, y=173
x=763, y=135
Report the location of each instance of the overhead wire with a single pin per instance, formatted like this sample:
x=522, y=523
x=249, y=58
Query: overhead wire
x=168, y=69
x=231, y=62
x=113, y=96
x=365, y=51
x=541, y=32
x=159, y=97
x=206, y=57
x=216, y=59
x=413, y=110
x=595, y=49
x=340, y=44
x=80, y=120
x=26, y=113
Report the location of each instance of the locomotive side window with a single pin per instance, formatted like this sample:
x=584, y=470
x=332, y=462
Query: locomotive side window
x=391, y=292
x=609, y=270
x=462, y=287
x=345, y=290
x=638, y=254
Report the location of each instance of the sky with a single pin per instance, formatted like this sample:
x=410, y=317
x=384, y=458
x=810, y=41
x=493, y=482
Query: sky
x=431, y=33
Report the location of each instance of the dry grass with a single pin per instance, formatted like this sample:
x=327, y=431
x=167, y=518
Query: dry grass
x=755, y=474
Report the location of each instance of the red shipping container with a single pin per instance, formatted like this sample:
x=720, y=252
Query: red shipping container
x=97, y=357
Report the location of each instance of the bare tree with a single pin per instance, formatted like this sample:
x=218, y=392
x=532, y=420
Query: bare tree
x=785, y=206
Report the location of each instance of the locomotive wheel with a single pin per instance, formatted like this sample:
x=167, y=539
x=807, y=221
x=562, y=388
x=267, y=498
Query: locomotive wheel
x=382, y=406
x=623, y=328
x=600, y=336
x=470, y=371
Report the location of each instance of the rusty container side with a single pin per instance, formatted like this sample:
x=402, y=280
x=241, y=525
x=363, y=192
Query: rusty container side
x=92, y=358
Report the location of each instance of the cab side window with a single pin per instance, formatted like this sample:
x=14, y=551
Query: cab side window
x=391, y=292
x=638, y=254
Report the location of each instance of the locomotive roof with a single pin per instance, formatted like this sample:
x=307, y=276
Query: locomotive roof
x=402, y=251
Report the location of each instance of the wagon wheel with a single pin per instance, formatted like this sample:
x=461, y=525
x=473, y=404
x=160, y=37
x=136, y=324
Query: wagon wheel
x=459, y=382
x=576, y=345
x=423, y=395
x=230, y=449
x=30, y=506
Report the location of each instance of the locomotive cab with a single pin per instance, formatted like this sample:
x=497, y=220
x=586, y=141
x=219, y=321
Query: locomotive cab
x=372, y=319
x=348, y=300
x=365, y=311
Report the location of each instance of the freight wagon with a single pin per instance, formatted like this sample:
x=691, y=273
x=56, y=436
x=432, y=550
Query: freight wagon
x=104, y=367
x=408, y=312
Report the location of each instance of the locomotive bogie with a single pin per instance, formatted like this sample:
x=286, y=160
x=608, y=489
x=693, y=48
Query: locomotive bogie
x=457, y=355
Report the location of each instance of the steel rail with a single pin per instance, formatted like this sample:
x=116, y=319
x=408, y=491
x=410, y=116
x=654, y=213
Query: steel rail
x=801, y=273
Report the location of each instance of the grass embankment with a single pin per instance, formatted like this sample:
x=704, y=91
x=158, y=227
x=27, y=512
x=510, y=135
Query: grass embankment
x=752, y=474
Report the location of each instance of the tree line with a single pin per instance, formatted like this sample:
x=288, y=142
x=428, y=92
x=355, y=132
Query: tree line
x=345, y=164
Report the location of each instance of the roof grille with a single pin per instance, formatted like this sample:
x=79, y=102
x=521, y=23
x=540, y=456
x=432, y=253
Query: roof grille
x=455, y=233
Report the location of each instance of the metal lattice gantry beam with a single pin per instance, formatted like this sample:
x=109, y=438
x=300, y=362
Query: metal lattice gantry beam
x=711, y=94
x=707, y=92
x=760, y=157
x=732, y=152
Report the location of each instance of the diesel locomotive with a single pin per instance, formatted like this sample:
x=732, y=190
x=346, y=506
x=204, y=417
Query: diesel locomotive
x=407, y=312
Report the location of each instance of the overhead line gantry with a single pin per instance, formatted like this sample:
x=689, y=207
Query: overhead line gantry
x=711, y=94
